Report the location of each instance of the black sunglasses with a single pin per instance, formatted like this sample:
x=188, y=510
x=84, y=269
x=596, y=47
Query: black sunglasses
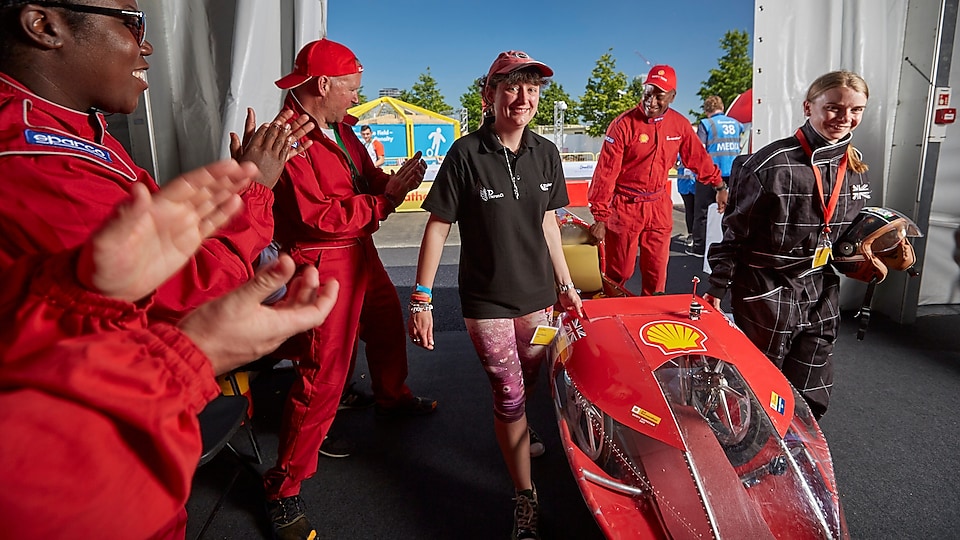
x=136, y=21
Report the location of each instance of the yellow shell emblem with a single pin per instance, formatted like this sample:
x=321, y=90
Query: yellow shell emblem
x=644, y=138
x=673, y=337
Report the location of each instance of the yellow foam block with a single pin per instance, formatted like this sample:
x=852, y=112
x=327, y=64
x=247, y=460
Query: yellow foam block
x=584, y=263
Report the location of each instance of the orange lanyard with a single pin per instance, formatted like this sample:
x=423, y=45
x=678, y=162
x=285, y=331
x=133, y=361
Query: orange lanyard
x=828, y=208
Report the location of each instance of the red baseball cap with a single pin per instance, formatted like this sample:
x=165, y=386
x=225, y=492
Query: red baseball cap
x=319, y=58
x=510, y=61
x=663, y=77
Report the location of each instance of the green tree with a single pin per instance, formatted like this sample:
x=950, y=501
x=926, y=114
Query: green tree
x=426, y=94
x=470, y=100
x=734, y=72
x=634, y=93
x=607, y=94
x=360, y=97
x=549, y=94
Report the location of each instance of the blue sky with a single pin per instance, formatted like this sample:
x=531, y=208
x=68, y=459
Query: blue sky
x=458, y=40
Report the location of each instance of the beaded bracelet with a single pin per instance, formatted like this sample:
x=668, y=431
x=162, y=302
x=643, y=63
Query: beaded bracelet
x=420, y=307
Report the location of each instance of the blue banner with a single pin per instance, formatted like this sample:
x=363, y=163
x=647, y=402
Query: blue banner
x=392, y=136
x=432, y=139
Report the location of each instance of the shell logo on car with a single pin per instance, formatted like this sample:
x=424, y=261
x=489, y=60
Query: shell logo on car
x=673, y=337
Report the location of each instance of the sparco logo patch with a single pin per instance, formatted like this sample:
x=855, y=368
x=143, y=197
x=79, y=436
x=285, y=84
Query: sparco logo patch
x=60, y=141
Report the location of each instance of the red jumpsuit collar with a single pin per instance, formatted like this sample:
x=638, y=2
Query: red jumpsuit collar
x=90, y=125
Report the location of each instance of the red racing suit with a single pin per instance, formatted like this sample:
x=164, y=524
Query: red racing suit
x=101, y=437
x=630, y=191
x=326, y=214
x=62, y=175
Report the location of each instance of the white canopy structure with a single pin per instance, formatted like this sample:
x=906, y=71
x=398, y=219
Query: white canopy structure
x=212, y=59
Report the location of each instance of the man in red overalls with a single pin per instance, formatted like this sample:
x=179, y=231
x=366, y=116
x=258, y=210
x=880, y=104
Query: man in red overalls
x=630, y=196
x=329, y=202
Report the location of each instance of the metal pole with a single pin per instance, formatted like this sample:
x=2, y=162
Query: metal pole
x=558, y=109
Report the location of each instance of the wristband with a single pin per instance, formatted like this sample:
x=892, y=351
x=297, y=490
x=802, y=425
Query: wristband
x=421, y=288
x=721, y=187
x=420, y=297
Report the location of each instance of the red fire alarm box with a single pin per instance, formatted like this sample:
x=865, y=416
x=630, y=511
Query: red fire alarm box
x=945, y=116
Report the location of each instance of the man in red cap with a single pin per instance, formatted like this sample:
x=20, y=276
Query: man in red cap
x=329, y=202
x=630, y=195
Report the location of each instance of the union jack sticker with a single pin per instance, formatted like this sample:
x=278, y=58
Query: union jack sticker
x=860, y=192
x=573, y=330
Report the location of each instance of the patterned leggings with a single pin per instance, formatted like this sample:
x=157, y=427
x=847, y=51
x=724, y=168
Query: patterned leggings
x=511, y=362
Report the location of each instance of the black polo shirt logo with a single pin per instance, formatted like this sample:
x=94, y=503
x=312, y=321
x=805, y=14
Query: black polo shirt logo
x=487, y=194
x=546, y=187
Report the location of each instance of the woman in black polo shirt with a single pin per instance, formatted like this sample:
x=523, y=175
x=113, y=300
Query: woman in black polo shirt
x=502, y=183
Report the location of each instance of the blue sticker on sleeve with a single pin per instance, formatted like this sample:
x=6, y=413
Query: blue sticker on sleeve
x=55, y=140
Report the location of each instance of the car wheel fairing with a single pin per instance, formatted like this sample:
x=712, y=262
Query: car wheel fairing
x=589, y=427
x=723, y=399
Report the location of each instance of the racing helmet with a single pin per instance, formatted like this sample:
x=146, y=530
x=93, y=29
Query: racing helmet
x=876, y=241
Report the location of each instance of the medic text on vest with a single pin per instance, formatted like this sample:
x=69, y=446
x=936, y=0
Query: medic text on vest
x=730, y=146
x=59, y=141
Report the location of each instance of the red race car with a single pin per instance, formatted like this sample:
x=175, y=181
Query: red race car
x=676, y=426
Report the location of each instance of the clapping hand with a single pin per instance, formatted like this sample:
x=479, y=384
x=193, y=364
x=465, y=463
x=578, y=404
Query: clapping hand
x=272, y=144
x=405, y=180
x=238, y=328
x=151, y=237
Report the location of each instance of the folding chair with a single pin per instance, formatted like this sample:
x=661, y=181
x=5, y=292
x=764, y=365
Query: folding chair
x=219, y=422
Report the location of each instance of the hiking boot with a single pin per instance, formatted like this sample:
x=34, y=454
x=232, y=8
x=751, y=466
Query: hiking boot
x=526, y=514
x=335, y=447
x=353, y=398
x=288, y=520
x=415, y=406
x=536, y=443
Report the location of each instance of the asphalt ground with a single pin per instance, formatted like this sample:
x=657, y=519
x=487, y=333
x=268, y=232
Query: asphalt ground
x=891, y=428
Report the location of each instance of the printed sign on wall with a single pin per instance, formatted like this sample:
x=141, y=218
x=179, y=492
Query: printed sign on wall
x=392, y=136
x=432, y=139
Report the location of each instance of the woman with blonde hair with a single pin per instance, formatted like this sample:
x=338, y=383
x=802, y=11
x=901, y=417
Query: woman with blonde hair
x=789, y=202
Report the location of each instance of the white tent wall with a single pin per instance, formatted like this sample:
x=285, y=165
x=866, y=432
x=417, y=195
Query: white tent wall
x=795, y=42
x=212, y=59
x=941, y=275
